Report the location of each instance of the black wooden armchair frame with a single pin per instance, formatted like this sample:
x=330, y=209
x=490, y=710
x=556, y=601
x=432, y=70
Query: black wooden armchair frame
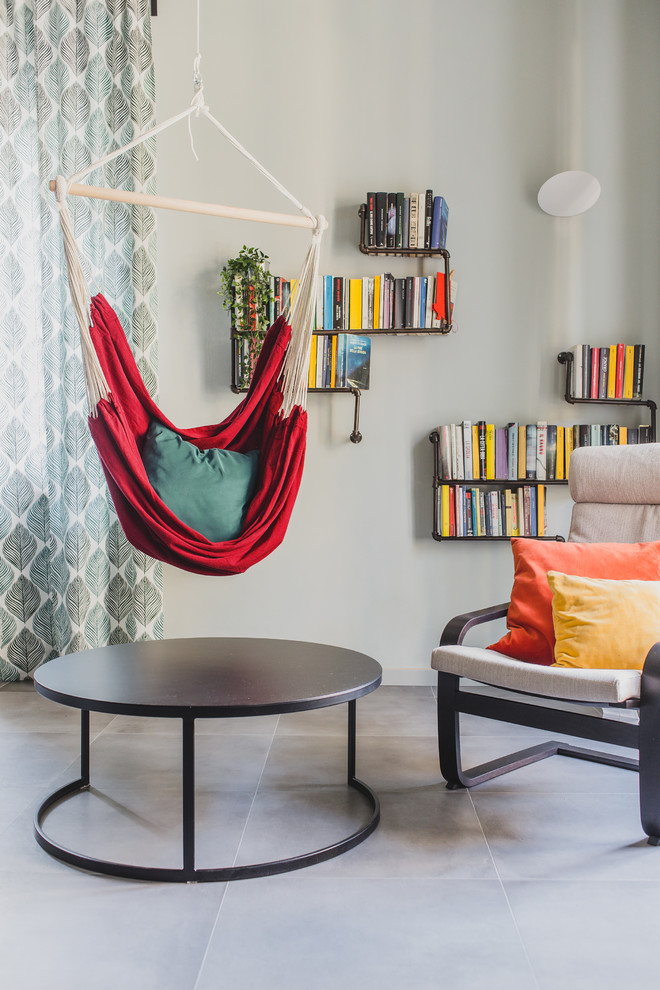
x=645, y=737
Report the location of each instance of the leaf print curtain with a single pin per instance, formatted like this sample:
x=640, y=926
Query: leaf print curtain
x=77, y=81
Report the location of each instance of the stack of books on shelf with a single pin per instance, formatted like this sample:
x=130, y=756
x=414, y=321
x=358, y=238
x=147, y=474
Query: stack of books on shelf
x=340, y=361
x=473, y=511
x=613, y=372
x=404, y=221
x=378, y=302
x=381, y=302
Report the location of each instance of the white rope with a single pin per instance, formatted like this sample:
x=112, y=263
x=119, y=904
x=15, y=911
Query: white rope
x=295, y=371
x=301, y=312
x=95, y=382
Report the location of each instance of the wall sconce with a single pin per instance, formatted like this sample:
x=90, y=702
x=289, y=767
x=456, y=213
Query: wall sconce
x=569, y=193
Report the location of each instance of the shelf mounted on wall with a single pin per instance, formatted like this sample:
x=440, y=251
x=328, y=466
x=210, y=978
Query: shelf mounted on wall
x=566, y=358
x=355, y=436
x=385, y=252
x=491, y=484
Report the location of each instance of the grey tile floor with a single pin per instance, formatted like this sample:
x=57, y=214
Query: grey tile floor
x=540, y=880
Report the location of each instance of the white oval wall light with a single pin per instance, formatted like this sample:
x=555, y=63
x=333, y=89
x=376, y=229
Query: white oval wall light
x=569, y=193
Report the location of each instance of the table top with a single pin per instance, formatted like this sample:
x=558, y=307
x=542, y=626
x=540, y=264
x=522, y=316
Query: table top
x=208, y=677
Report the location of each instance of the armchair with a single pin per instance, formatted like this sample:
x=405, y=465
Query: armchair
x=616, y=494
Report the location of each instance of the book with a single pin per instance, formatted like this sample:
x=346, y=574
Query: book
x=337, y=303
x=414, y=219
x=378, y=302
x=501, y=443
x=428, y=218
x=530, y=463
x=381, y=219
x=603, y=371
x=594, y=361
x=327, y=302
x=551, y=452
x=468, y=466
x=481, y=432
x=371, y=220
x=512, y=451
x=490, y=451
x=638, y=371
x=439, y=223
x=439, y=306
x=398, y=239
x=423, y=288
x=620, y=357
x=390, y=239
x=628, y=367
x=586, y=371
x=406, y=222
x=561, y=454
x=355, y=304
x=460, y=457
x=541, y=437
x=475, y=452
x=399, y=319
x=444, y=451
x=358, y=359
x=577, y=371
x=611, y=376
x=444, y=510
x=522, y=451
x=409, y=302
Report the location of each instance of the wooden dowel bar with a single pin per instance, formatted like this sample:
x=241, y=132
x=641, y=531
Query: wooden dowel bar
x=188, y=206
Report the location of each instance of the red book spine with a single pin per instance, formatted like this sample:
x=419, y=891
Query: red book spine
x=439, y=307
x=452, y=511
x=595, y=364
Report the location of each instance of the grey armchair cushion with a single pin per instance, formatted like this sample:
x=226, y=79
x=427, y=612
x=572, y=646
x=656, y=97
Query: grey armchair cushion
x=592, y=686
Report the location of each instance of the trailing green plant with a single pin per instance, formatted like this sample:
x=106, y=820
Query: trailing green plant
x=245, y=289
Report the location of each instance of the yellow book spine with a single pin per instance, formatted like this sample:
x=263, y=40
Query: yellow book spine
x=522, y=451
x=333, y=369
x=311, y=382
x=476, y=497
x=611, y=374
x=490, y=451
x=376, y=303
x=540, y=505
x=355, y=304
x=475, y=451
x=623, y=435
x=445, y=510
x=628, y=372
x=559, y=472
x=508, y=513
x=568, y=445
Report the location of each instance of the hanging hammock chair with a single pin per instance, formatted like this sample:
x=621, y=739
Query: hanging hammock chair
x=213, y=499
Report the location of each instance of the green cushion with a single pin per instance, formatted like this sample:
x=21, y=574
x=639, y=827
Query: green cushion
x=208, y=490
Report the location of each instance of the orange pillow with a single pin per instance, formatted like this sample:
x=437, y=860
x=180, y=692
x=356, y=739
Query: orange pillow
x=531, y=634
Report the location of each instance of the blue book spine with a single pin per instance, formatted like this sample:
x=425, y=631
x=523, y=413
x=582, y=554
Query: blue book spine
x=327, y=302
x=439, y=224
x=422, y=301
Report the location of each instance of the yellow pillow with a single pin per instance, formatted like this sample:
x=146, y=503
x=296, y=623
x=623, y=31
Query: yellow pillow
x=602, y=623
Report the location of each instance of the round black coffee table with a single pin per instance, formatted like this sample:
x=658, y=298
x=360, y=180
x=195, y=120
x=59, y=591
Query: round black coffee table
x=205, y=678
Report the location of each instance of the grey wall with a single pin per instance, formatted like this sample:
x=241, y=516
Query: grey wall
x=482, y=100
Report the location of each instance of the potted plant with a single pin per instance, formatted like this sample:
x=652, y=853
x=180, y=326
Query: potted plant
x=245, y=288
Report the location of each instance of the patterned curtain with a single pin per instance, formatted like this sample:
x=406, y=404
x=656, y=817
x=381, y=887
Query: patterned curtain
x=77, y=81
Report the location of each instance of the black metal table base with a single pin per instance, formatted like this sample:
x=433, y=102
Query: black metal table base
x=188, y=873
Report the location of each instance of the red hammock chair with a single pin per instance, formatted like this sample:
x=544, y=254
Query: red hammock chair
x=119, y=428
